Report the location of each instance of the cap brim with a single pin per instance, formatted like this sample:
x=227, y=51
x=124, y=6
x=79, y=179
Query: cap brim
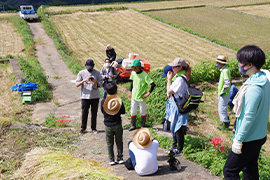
x=164, y=75
x=172, y=64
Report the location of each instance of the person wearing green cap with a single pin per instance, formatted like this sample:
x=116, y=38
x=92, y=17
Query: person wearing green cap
x=140, y=81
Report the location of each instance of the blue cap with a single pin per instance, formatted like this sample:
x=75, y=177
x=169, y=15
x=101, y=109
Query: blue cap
x=166, y=70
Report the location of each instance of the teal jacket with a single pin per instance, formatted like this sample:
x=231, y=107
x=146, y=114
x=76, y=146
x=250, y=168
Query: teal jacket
x=252, y=123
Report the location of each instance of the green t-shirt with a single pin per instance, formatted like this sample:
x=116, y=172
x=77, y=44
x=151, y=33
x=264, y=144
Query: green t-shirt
x=225, y=74
x=140, y=84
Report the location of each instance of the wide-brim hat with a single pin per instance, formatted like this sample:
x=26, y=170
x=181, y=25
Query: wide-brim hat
x=112, y=104
x=222, y=59
x=135, y=62
x=141, y=138
x=178, y=62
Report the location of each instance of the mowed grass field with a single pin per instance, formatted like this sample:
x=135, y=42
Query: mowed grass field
x=260, y=10
x=10, y=41
x=158, y=5
x=128, y=31
x=231, y=28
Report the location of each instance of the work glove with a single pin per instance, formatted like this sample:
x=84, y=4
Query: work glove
x=236, y=147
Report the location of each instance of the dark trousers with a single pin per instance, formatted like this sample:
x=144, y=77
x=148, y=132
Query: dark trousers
x=86, y=103
x=246, y=162
x=116, y=132
x=179, y=138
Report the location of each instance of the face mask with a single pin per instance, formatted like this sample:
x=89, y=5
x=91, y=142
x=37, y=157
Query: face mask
x=90, y=70
x=218, y=65
x=241, y=69
x=106, y=64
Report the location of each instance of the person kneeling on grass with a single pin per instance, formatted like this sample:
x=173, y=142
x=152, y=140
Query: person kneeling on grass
x=112, y=107
x=143, y=152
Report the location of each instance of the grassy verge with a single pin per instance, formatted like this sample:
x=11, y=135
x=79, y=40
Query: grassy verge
x=30, y=65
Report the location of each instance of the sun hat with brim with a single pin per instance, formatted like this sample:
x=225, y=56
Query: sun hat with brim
x=166, y=70
x=89, y=64
x=141, y=138
x=135, y=62
x=112, y=104
x=178, y=62
x=222, y=59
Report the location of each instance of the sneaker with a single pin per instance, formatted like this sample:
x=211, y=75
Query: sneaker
x=132, y=128
x=82, y=131
x=120, y=161
x=170, y=149
x=112, y=162
x=95, y=131
x=176, y=152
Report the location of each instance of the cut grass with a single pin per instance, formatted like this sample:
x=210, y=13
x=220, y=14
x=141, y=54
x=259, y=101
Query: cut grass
x=231, y=28
x=38, y=165
x=87, y=35
x=157, y=5
x=259, y=10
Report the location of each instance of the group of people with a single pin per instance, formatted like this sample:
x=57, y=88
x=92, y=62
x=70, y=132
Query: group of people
x=250, y=104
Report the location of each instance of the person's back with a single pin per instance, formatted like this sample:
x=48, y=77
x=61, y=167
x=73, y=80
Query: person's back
x=112, y=107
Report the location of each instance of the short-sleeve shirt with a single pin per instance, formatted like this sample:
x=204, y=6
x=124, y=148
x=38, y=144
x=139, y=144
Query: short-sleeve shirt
x=140, y=84
x=225, y=74
x=89, y=90
x=179, y=86
x=145, y=159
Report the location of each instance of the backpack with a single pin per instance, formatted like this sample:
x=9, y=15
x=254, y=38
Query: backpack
x=191, y=100
x=173, y=162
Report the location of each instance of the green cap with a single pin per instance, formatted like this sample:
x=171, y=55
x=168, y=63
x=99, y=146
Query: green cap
x=135, y=62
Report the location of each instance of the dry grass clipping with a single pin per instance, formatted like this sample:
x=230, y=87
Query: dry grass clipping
x=10, y=41
x=41, y=163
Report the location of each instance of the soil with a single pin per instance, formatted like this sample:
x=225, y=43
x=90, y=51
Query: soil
x=93, y=146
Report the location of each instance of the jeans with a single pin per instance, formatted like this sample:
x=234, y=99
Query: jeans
x=104, y=90
x=86, y=103
x=117, y=132
x=246, y=162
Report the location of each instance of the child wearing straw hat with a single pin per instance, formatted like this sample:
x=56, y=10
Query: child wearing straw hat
x=112, y=107
x=223, y=91
x=143, y=152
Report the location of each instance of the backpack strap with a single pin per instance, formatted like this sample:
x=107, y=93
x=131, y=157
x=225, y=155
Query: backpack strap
x=182, y=76
x=175, y=99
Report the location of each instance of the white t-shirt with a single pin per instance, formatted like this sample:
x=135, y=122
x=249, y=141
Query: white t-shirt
x=146, y=159
x=179, y=87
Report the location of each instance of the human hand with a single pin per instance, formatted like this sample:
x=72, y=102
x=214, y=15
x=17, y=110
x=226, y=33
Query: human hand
x=236, y=147
x=170, y=75
x=146, y=95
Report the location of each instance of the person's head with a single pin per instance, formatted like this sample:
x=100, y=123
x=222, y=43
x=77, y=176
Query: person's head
x=111, y=88
x=180, y=64
x=109, y=47
x=141, y=138
x=136, y=65
x=250, y=57
x=89, y=64
x=221, y=61
x=107, y=62
x=166, y=70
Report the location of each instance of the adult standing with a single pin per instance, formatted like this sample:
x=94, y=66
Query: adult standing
x=251, y=107
x=90, y=80
x=108, y=74
x=138, y=87
x=223, y=92
x=110, y=53
x=176, y=90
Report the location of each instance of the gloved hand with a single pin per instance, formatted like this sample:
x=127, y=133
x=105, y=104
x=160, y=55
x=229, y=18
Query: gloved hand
x=236, y=147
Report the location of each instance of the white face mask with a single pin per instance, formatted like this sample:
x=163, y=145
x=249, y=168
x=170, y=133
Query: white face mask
x=106, y=64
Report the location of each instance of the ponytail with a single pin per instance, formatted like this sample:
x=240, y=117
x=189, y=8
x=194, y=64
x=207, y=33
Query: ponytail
x=188, y=71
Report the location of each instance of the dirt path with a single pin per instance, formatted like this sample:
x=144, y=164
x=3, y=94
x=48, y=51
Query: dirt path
x=93, y=146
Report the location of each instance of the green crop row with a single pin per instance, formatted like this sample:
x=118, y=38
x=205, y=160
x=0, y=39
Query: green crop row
x=30, y=65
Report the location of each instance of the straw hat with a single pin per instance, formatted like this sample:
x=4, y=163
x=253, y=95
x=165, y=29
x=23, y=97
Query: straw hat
x=112, y=104
x=141, y=138
x=222, y=59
